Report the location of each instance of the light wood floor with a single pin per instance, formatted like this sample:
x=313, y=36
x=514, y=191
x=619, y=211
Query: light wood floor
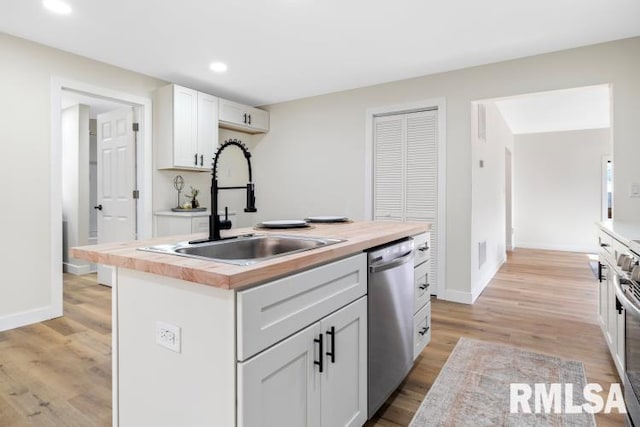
x=58, y=373
x=542, y=301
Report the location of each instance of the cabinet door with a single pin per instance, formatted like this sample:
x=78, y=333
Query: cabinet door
x=185, y=127
x=237, y=116
x=207, y=129
x=281, y=386
x=612, y=329
x=259, y=119
x=344, y=382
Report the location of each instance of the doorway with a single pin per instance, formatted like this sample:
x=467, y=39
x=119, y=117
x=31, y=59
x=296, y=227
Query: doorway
x=83, y=169
x=142, y=171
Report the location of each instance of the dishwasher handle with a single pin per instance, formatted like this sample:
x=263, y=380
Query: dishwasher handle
x=385, y=265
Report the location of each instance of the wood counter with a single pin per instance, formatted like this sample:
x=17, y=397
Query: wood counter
x=359, y=236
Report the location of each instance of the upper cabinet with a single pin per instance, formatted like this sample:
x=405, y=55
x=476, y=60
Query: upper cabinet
x=185, y=124
x=242, y=117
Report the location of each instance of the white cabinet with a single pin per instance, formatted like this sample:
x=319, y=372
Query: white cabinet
x=170, y=223
x=281, y=387
x=185, y=124
x=316, y=377
x=611, y=314
x=422, y=294
x=302, y=348
x=241, y=117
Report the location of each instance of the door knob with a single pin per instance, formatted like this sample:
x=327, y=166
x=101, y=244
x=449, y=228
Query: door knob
x=99, y=207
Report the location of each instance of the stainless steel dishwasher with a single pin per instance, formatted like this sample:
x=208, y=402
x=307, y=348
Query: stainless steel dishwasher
x=390, y=306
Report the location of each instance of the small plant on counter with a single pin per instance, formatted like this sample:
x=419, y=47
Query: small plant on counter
x=193, y=195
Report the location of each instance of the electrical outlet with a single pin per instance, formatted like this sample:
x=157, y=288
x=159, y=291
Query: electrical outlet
x=634, y=189
x=168, y=336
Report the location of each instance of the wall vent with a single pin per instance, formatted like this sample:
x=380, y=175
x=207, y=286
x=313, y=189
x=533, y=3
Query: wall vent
x=482, y=253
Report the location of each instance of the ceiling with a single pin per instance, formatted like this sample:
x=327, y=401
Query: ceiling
x=558, y=110
x=279, y=50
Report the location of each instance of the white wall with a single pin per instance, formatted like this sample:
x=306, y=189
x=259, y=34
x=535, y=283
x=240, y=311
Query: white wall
x=312, y=160
x=558, y=188
x=75, y=184
x=232, y=171
x=25, y=120
x=488, y=195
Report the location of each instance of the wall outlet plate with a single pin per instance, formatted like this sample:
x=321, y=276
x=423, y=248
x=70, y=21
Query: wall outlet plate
x=634, y=189
x=169, y=336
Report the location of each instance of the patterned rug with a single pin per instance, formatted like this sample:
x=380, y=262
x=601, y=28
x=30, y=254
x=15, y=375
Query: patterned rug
x=473, y=388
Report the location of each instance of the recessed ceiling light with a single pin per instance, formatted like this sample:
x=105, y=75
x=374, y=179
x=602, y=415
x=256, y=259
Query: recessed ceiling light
x=57, y=6
x=218, y=67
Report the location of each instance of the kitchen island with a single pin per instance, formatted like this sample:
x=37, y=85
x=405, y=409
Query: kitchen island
x=198, y=342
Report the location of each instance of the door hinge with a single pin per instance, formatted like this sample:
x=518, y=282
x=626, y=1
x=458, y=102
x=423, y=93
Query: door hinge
x=136, y=194
x=136, y=127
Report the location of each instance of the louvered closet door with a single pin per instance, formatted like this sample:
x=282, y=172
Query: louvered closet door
x=388, y=182
x=406, y=172
x=421, y=200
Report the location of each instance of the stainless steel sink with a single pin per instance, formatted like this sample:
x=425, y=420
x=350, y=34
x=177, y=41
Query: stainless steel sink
x=245, y=250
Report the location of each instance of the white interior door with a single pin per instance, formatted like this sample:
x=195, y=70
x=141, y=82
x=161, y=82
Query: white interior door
x=116, y=181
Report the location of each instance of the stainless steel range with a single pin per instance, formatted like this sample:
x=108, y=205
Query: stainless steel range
x=627, y=288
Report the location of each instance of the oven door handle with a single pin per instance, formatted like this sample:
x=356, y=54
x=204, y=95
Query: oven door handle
x=623, y=298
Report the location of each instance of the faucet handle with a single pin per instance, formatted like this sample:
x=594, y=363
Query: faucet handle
x=225, y=224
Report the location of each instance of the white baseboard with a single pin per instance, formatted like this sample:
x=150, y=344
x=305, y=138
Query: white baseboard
x=556, y=247
x=28, y=317
x=456, y=296
x=470, y=297
x=486, y=279
x=78, y=269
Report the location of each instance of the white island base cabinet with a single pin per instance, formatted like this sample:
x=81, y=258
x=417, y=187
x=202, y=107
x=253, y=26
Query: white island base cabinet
x=316, y=378
x=195, y=377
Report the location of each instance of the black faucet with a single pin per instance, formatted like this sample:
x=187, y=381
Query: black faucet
x=215, y=223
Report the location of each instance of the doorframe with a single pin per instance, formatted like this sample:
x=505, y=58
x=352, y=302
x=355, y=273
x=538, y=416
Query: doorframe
x=508, y=199
x=439, y=104
x=603, y=187
x=144, y=174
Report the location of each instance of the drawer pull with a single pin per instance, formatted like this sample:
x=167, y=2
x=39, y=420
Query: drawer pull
x=424, y=287
x=422, y=332
x=423, y=248
x=332, y=353
x=604, y=245
x=319, y=340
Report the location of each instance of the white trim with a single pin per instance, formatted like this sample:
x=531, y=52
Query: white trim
x=555, y=247
x=434, y=103
x=486, y=279
x=145, y=174
x=79, y=269
x=603, y=186
x=15, y=320
x=457, y=296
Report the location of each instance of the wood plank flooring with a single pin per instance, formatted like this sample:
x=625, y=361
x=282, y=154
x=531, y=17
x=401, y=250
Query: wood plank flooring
x=58, y=373
x=542, y=301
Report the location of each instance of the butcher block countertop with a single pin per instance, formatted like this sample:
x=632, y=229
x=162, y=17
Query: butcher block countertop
x=359, y=236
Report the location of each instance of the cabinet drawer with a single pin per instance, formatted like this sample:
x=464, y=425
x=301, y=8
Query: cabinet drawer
x=421, y=330
x=421, y=284
x=421, y=243
x=268, y=313
x=605, y=242
x=200, y=224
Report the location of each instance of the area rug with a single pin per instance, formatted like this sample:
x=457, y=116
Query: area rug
x=473, y=388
